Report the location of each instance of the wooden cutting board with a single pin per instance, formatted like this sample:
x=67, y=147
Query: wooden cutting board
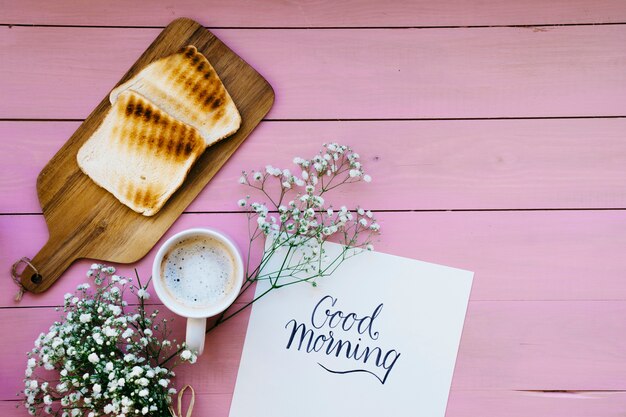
x=85, y=221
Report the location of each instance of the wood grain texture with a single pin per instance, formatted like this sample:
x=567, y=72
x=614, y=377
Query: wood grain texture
x=580, y=347
x=346, y=74
x=545, y=331
x=84, y=220
x=477, y=164
x=324, y=13
x=534, y=255
x=462, y=403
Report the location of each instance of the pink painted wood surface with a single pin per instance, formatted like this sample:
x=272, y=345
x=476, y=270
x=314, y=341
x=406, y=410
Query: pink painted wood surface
x=534, y=255
x=545, y=329
x=462, y=404
x=477, y=164
x=275, y=13
x=569, y=352
x=342, y=74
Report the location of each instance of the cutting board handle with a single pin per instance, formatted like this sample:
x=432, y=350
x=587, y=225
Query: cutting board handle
x=51, y=261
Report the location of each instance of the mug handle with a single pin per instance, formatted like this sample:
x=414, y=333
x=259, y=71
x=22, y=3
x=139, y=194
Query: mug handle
x=196, y=333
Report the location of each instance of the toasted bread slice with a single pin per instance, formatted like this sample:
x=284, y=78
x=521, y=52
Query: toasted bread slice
x=140, y=154
x=186, y=86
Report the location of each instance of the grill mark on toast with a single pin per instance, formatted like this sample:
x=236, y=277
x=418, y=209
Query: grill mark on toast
x=148, y=197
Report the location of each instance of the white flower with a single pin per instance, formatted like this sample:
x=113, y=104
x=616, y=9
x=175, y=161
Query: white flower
x=116, y=310
x=286, y=184
x=144, y=411
x=143, y=382
x=143, y=393
x=127, y=333
x=370, y=247
x=143, y=294
x=363, y=222
x=305, y=175
x=109, y=366
x=242, y=179
x=163, y=382
x=258, y=176
x=97, y=337
x=241, y=203
x=85, y=318
x=33, y=384
x=361, y=212
x=367, y=178
x=186, y=355
x=93, y=358
x=31, y=363
x=95, y=266
x=47, y=400
x=110, y=332
x=96, y=388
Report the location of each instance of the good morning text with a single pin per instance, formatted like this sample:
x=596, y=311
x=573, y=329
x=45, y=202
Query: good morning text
x=332, y=332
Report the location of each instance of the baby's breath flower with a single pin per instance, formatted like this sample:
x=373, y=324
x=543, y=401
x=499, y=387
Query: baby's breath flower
x=95, y=353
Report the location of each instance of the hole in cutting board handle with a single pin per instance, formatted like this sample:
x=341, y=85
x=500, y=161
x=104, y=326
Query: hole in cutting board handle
x=36, y=278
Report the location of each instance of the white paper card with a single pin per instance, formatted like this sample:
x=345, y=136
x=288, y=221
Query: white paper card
x=379, y=337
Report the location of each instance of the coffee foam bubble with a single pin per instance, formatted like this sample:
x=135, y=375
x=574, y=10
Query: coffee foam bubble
x=198, y=271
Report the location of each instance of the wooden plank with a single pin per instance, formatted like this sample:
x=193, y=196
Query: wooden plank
x=536, y=255
x=461, y=404
x=503, y=403
x=506, y=345
x=86, y=221
x=345, y=74
x=352, y=13
x=477, y=164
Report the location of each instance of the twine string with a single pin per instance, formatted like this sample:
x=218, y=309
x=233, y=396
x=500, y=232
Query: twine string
x=16, y=276
x=180, y=403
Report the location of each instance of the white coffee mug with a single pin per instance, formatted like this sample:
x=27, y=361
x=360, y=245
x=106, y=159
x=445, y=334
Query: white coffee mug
x=197, y=315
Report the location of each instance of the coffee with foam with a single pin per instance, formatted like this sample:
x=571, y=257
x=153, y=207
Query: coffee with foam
x=199, y=271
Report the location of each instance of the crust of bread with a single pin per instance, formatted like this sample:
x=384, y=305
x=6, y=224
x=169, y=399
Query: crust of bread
x=186, y=86
x=140, y=154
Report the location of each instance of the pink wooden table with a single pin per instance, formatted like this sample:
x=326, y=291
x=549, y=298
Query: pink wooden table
x=495, y=132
